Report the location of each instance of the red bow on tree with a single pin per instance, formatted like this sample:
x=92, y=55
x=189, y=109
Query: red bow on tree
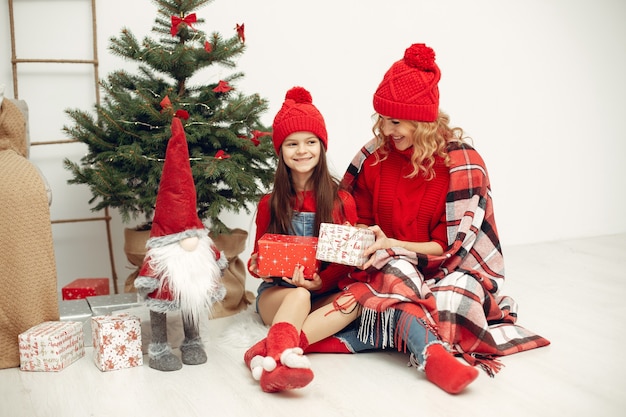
x=221, y=155
x=166, y=103
x=256, y=134
x=222, y=87
x=240, y=32
x=177, y=21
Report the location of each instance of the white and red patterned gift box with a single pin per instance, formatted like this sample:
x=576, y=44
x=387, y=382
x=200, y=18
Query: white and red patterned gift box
x=116, y=341
x=51, y=346
x=343, y=244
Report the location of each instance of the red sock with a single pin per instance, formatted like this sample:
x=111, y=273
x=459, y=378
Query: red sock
x=283, y=336
x=258, y=349
x=445, y=371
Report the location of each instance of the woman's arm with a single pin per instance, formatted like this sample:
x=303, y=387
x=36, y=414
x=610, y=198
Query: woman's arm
x=383, y=242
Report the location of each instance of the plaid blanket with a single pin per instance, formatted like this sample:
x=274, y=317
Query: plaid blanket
x=457, y=293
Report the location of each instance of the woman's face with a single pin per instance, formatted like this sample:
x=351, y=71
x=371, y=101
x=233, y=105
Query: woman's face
x=301, y=152
x=400, y=132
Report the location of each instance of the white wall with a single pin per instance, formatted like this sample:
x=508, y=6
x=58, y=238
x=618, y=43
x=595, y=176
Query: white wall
x=538, y=84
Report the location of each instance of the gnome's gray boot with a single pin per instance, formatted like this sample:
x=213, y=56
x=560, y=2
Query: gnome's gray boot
x=192, y=350
x=159, y=351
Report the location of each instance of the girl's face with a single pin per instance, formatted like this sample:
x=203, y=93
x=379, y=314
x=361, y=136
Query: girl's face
x=301, y=152
x=399, y=131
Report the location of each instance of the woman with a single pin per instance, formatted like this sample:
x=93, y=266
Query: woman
x=432, y=283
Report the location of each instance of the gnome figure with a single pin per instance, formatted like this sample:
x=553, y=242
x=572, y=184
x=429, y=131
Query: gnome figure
x=182, y=269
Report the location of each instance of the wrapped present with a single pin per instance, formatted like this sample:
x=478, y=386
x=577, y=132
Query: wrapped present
x=280, y=254
x=77, y=310
x=116, y=341
x=85, y=287
x=107, y=304
x=343, y=244
x=51, y=346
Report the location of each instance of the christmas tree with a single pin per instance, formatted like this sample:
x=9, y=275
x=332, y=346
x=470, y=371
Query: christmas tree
x=231, y=154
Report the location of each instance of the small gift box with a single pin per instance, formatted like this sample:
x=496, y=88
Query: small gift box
x=51, y=346
x=343, y=244
x=280, y=254
x=107, y=304
x=85, y=287
x=116, y=341
x=77, y=310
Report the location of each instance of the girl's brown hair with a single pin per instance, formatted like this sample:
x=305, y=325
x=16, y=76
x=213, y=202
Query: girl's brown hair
x=324, y=185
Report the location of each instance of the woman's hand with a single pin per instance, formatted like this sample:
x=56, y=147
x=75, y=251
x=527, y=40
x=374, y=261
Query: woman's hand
x=384, y=242
x=299, y=281
x=381, y=242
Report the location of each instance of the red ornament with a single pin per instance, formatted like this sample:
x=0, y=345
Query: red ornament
x=208, y=47
x=177, y=21
x=240, y=32
x=222, y=87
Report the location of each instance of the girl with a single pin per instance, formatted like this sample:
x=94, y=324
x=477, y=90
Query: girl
x=303, y=196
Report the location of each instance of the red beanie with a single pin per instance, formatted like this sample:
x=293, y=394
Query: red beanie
x=175, y=209
x=409, y=89
x=298, y=114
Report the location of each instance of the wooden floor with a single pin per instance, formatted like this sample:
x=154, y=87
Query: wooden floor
x=572, y=292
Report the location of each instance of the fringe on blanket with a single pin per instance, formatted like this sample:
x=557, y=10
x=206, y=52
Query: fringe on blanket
x=376, y=325
x=487, y=363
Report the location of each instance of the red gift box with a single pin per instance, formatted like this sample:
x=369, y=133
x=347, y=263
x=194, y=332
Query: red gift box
x=85, y=287
x=280, y=254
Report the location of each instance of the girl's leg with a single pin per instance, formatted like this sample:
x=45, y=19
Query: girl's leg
x=332, y=328
x=278, y=304
x=278, y=360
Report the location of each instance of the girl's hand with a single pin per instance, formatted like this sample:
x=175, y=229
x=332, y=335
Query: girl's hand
x=253, y=267
x=299, y=281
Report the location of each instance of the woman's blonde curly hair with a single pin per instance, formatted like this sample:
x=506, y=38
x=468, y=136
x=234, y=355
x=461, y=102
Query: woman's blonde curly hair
x=430, y=139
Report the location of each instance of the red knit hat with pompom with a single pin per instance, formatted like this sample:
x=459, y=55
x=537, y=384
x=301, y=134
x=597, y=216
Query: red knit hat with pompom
x=409, y=89
x=298, y=114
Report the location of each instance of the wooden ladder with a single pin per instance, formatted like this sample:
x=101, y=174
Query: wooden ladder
x=106, y=218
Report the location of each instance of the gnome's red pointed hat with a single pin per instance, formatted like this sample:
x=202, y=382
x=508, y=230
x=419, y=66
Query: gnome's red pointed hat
x=176, y=210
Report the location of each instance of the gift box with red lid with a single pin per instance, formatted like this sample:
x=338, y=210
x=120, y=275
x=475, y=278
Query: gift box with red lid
x=116, y=341
x=51, y=346
x=343, y=244
x=280, y=254
x=85, y=287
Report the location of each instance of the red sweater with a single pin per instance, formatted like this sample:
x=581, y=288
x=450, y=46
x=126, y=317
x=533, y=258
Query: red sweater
x=408, y=209
x=332, y=273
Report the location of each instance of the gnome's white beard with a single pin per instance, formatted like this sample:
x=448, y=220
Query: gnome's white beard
x=193, y=277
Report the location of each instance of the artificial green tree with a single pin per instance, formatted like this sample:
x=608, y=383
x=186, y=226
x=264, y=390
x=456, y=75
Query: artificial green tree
x=231, y=154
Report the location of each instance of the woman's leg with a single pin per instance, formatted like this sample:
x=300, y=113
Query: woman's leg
x=432, y=356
